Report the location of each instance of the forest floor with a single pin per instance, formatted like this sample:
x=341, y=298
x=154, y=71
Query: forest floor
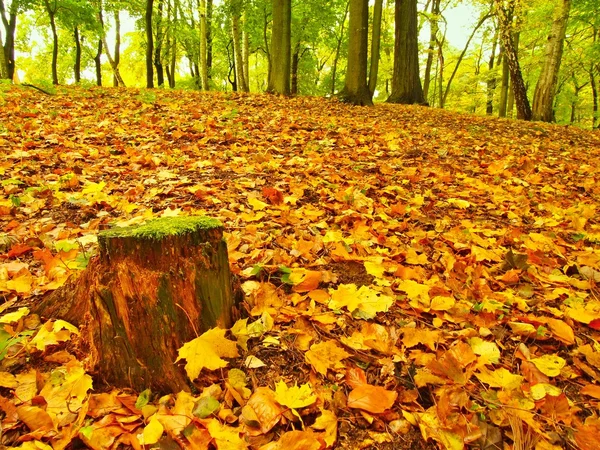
x=414, y=278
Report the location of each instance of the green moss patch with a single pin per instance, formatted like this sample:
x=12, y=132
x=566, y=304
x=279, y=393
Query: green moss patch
x=165, y=226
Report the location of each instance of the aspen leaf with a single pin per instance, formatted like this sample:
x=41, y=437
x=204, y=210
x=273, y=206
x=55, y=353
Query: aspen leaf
x=206, y=351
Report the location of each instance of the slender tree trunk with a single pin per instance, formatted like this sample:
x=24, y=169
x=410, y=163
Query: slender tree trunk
x=492, y=80
x=511, y=92
x=117, y=44
x=149, y=44
x=433, y=29
x=594, y=87
x=356, y=90
x=209, y=39
x=295, y=63
x=203, y=45
x=112, y=63
x=3, y=63
x=461, y=56
x=52, y=15
x=279, y=82
x=516, y=77
x=77, y=66
x=98, y=55
x=160, y=72
x=266, y=42
x=338, y=48
x=172, y=66
x=237, y=51
x=543, y=98
x=504, y=87
x=245, y=52
x=375, y=45
x=406, y=84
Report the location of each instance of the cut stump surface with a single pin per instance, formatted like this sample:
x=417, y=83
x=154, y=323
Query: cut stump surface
x=151, y=289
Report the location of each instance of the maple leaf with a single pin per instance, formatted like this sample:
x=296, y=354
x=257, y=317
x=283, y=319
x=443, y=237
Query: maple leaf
x=326, y=355
x=206, y=351
x=500, y=378
x=364, y=300
x=225, y=437
x=295, y=440
x=294, y=397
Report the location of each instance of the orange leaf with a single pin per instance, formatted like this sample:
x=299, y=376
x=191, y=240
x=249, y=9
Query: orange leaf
x=592, y=390
x=373, y=399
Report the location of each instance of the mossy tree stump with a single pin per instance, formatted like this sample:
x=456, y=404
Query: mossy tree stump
x=151, y=289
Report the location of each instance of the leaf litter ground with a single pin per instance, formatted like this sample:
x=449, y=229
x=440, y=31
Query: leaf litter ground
x=413, y=278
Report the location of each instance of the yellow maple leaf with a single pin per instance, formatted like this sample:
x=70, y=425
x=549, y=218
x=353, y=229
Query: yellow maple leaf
x=415, y=259
x=366, y=301
x=52, y=333
x=256, y=204
x=375, y=268
x=328, y=422
x=488, y=351
x=295, y=396
x=14, y=316
x=206, y=351
x=226, y=437
x=326, y=355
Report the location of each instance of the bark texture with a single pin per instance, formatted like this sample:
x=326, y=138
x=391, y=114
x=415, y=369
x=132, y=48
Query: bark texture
x=281, y=48
x=375, y=45
x=519, y=89
x=543, y=97
x=406, y=84
x=151, y=289
x=149, y=44
x=356, y=90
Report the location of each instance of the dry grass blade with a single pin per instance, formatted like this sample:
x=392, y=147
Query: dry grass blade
x=523, y=436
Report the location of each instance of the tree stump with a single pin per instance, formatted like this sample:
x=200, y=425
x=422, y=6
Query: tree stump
x=151, y=289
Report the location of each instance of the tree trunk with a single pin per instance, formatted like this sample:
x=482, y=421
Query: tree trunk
x=51, y=15
x=511, y=92
x=237, y=53
x=460, y=58
x=338, y=48
x=151, y=289
x=77, y=65
x=266, y=41
x=160, y=72
x=149, y=44
x=594, y=98
x=203, y=46
x=3, y=63
x=209, y=39
x=10, y=26
x=295, y=63
x=279, y=82
x=433, y=29
x=172, y=45
x=543, y=98
x=516, y=77
x=406, y=84
x=112, y=63
x=117, y=45
x=491, y=81
x=245, y=52
x=504, y=86
x=375, y=45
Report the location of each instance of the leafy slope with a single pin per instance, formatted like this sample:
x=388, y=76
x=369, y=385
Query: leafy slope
x=404, y=269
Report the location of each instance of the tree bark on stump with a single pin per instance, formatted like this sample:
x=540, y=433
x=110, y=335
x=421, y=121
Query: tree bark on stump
x=151, y=289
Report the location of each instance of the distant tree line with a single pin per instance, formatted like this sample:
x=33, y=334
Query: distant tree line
x=533, y=59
